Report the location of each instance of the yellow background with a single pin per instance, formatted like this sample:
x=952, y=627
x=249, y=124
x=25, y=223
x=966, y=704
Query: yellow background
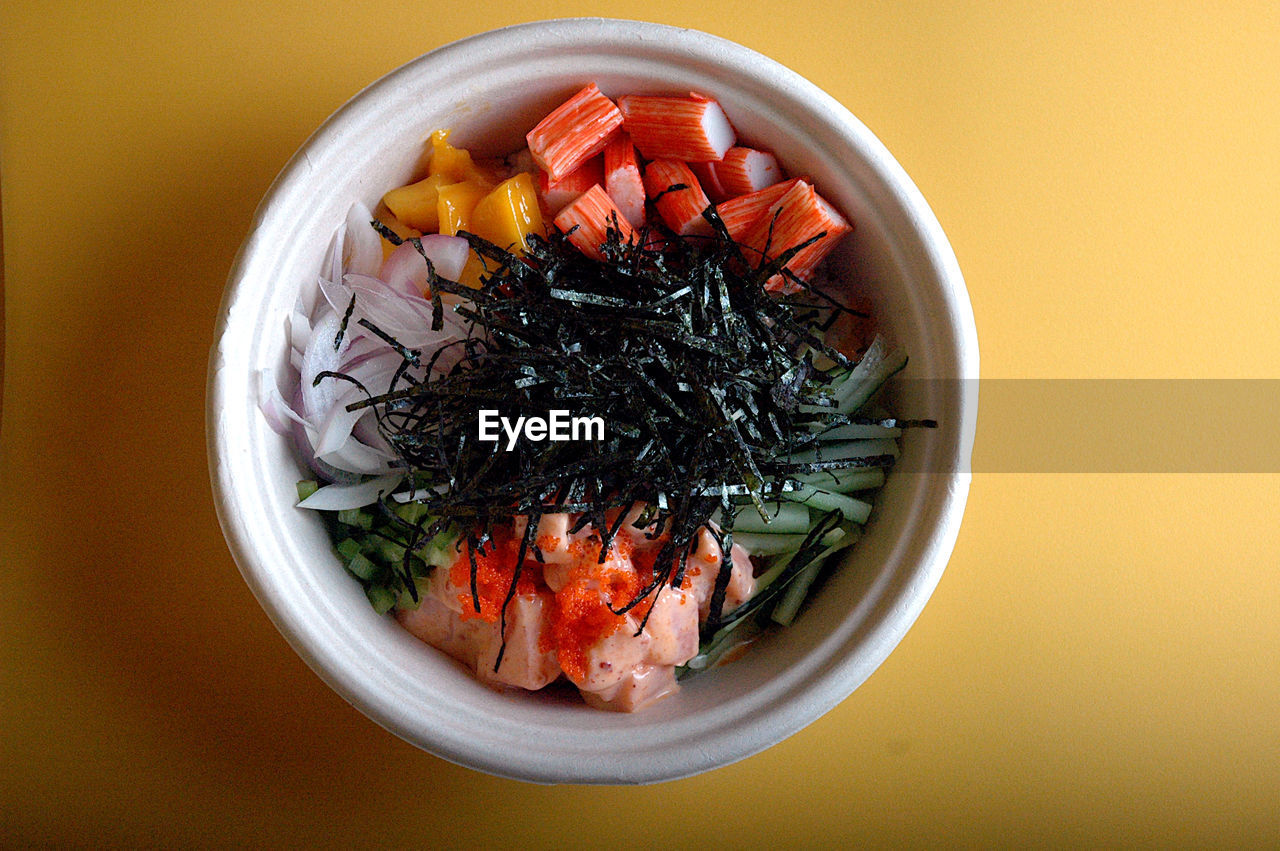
x=1099, y=662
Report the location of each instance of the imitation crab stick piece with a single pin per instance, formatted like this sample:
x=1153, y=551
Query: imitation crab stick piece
x=557, y=194
x=710, y=181
x=690, y=127
x=681, y=209
x=740, y=213
x=588, y=219
x=622, y=178
x=745, y=170
x=798, y=216
x=574, y=132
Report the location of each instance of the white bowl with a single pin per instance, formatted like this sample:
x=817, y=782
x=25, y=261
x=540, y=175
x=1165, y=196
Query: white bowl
x=490, y=89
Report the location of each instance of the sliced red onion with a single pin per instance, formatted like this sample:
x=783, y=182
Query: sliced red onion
x=374, y=371
x=407, y=318
x=299, y=329
x=448, y=254
x=366, y=431
x=336, y=294
x=272, y=404
x=361, y=346
x=405, y=271
x=404, y=268
x=303, y=435
x=374, y=375
x=339, y=444
x=363, y=246
x=358, y=458
x=320, y=356
x=337, y=497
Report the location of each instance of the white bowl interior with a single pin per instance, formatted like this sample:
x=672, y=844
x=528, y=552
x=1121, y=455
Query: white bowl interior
x=490, y=90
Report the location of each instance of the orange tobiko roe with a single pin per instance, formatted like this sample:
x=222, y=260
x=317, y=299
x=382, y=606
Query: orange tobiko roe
x=495, y=565
x=581, y=616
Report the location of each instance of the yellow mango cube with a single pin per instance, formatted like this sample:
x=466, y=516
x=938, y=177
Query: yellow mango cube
x=417, y=205
x=508, y=214
x=455, y=203
x=455, y=164
x=393, y=224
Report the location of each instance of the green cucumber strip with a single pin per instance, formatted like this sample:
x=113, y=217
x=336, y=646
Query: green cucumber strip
x=363, y=568
x=380, y=598
x=389, y=551
x=844, y=481
x=844, y=450
x=725, y=640
x=405, y=601
x=778, y=567
x=859, y=431
x=439, y=551
x=356, y=517
x=764, y=544
x=413, y=512
x=348, y=548
x=855, y=392
x=785, y=611
x=853, y=510
x=785, y=518
x=306, y=487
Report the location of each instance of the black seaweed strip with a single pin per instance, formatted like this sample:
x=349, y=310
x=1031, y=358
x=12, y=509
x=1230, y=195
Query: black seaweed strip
x=386, y=233
x=407, y=354
x=529, y=529
x=342, y=326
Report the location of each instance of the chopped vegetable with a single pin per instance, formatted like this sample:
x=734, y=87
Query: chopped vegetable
x=417, y=204
x=456, y=201
x=509, y=214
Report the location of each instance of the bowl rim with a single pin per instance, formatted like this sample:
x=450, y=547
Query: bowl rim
x=819, y=691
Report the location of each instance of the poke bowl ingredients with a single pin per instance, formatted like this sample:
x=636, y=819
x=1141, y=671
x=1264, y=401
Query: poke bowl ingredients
x=741, y=451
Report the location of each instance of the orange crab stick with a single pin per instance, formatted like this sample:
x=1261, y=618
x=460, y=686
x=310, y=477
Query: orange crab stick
x=587, y=220
x=559, y=193
x=622, y=178
x=740, y=213
x=710, y=181
x=746, y=170
x=690, y=127
x=681, y=209
x=573, y=132
x=798, y=216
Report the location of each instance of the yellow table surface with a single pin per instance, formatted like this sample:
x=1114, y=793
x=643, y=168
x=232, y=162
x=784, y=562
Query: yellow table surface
x=1099, y=662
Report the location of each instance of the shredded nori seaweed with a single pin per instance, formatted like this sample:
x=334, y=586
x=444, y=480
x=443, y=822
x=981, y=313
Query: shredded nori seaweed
x=704, y=379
